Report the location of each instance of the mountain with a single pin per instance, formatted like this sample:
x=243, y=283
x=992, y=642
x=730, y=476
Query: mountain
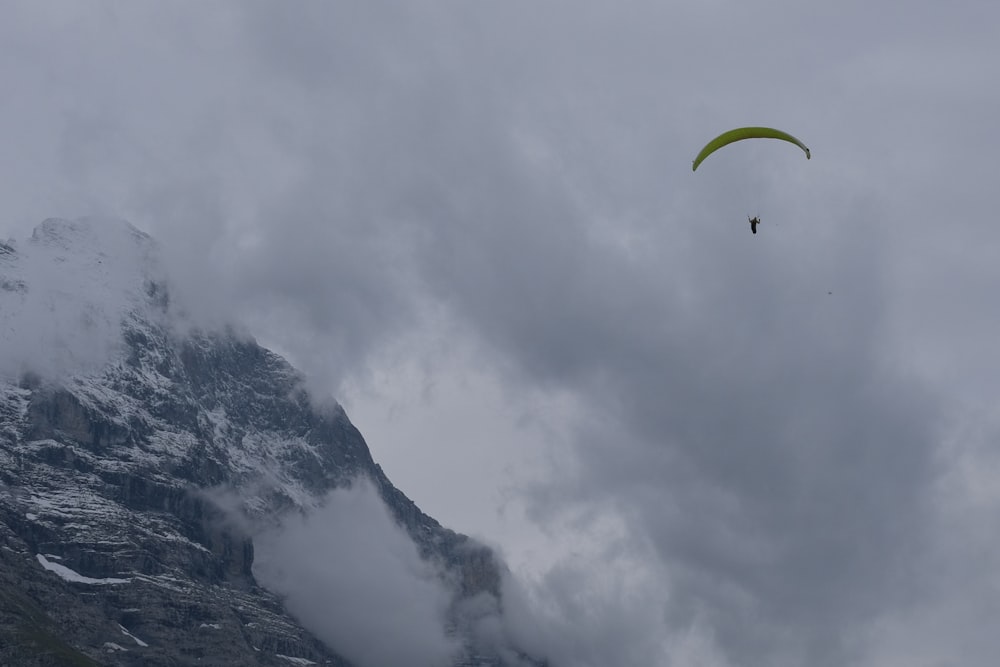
x=141, y=460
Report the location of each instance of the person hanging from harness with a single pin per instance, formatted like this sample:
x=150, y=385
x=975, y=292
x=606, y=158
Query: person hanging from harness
x=754, y=221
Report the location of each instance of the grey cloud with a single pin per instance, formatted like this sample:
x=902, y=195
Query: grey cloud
x=355, y=579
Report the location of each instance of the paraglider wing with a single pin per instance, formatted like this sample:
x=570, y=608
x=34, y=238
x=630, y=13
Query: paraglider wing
x=745, y=133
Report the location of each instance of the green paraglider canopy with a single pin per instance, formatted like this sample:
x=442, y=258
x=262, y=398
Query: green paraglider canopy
x=745, y=133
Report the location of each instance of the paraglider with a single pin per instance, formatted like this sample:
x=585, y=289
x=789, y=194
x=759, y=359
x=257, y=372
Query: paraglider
x=741, y=133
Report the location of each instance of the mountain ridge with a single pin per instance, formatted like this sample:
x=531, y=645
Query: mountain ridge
x=115, y=546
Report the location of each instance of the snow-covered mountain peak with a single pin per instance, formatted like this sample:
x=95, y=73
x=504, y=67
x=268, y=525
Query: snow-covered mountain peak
x=110, y=250
x=91, y=235
x=160, y=478
x=65, y=294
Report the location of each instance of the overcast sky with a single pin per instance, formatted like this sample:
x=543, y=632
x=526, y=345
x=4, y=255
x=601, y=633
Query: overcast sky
x=476, y=225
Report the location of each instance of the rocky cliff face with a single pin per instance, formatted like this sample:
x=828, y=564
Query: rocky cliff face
x=113, y=549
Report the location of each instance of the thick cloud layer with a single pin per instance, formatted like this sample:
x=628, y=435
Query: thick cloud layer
x=355, y=579
x=788, y=431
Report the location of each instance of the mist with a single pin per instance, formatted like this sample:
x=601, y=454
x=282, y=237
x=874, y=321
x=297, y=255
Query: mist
x=354, y=578
x=65, y=292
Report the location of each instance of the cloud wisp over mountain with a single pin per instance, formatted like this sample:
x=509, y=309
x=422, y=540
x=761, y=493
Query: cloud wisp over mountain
x=358, y=582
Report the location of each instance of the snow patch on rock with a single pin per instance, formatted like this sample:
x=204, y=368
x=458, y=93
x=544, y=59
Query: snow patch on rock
x=71, y=575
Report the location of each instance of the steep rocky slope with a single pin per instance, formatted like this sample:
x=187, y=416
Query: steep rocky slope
x=113, y=547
